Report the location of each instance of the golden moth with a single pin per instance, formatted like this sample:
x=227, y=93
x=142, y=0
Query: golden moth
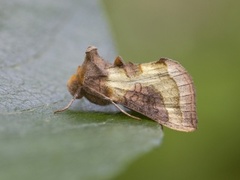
x=161, y=90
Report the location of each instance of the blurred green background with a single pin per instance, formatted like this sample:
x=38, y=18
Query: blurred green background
x=204, y=36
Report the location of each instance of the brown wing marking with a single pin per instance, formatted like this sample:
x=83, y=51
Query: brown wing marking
x=147, y=101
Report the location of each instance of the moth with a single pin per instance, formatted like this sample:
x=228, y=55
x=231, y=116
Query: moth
x=161, y=90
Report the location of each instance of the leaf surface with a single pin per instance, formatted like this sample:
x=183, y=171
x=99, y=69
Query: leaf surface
x=42, y=43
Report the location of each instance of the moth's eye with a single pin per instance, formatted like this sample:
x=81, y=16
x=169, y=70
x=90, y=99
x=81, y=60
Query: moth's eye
x=73, y=84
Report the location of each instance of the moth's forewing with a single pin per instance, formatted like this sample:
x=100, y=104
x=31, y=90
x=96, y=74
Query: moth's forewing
x=161, y=90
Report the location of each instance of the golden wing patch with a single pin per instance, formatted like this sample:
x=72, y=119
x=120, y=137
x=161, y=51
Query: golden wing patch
x=163, y=91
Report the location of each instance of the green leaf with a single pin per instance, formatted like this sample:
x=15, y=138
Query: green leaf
x=42, y=43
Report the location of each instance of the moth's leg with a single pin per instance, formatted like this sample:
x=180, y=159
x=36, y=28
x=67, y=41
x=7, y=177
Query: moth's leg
x=110, y=100
x=69, y=104
x=134, y=117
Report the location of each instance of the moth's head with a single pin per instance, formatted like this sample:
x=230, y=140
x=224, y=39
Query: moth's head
x=74, y=84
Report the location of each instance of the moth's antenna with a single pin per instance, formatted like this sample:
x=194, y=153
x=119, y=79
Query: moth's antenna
x=69, y=104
